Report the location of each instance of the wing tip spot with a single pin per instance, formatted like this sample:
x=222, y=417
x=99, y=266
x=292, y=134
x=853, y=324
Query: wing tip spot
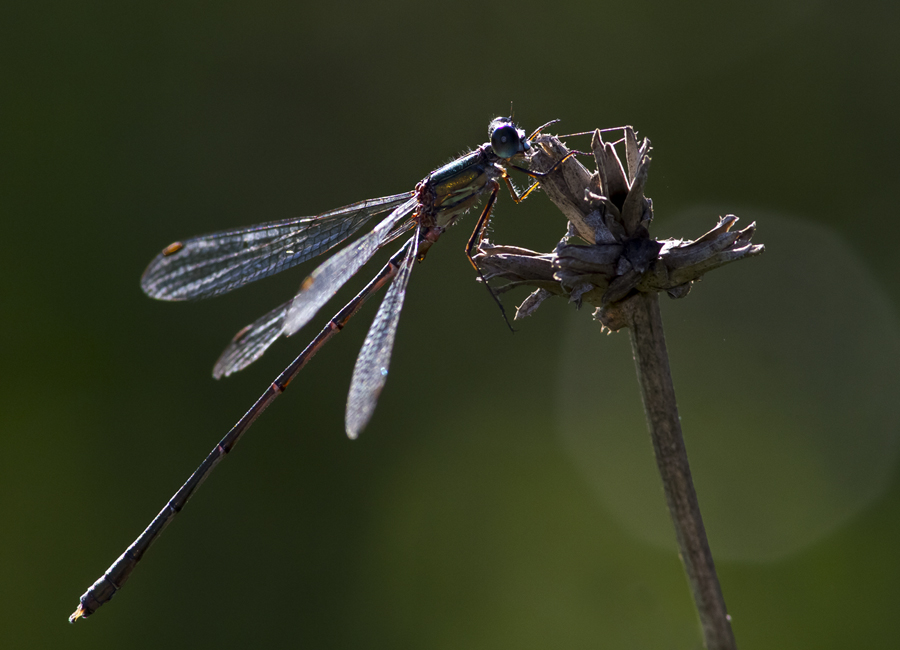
x=237, y=337
x=172, y=248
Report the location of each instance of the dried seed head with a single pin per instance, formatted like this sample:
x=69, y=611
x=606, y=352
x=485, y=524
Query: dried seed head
x=607, y=209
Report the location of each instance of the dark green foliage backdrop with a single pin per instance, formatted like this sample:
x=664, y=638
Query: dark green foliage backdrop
x=503, y=494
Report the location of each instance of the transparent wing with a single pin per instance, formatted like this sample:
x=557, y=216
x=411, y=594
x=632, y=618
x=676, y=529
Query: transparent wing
x=249, y=344
x=331, y=275
x=370, y=372
x=209, y=265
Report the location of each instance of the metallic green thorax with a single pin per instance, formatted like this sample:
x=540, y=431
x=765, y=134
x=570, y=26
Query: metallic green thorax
x=454, y=188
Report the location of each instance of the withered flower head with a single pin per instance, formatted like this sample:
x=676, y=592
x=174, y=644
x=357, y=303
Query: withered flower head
x=607, y=210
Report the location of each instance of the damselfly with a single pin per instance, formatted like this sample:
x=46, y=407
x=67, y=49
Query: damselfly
x=213, y=264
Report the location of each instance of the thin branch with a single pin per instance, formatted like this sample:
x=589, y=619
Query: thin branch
x=651, y=359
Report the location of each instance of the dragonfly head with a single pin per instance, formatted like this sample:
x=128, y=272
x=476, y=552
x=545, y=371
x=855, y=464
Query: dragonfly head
x=507, y=139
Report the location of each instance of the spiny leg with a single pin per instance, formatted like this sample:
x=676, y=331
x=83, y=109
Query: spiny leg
x=475, y=241
x=518, y=198
x=539, y=175
x=481, y=225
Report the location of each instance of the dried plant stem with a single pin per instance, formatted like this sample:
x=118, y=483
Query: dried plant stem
x=658, y=393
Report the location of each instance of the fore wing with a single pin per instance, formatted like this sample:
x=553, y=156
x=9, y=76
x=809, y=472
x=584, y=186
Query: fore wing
x=213, y=264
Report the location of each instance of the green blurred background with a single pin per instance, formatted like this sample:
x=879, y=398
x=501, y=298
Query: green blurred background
x=504, y=495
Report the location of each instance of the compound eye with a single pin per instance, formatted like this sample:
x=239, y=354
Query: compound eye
x=506, y=141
